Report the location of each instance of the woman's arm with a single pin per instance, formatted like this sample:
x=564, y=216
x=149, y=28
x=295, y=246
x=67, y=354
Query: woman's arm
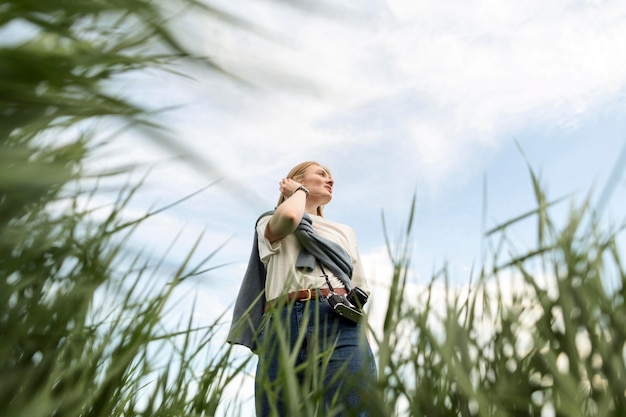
x=287, y=215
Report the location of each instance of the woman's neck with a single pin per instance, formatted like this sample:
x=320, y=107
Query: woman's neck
x=311, y=209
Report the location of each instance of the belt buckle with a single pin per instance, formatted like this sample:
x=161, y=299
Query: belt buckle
x=310, y=291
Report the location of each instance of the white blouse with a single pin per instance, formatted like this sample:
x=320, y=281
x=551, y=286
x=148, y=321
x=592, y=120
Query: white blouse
x=280, y=259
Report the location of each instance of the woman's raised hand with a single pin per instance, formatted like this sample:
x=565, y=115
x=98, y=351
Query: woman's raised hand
x=287, y=187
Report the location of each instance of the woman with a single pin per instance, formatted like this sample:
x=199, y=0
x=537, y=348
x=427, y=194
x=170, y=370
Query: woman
x=306, y=258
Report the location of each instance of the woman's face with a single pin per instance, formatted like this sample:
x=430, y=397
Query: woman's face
x=319, y=183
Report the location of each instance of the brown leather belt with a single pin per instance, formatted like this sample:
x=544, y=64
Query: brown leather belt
x=303, y=295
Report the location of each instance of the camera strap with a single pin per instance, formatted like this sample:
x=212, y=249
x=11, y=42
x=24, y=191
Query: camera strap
x=330, y=287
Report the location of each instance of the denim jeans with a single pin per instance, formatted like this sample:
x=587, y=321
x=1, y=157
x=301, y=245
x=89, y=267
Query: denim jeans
x=309, y=350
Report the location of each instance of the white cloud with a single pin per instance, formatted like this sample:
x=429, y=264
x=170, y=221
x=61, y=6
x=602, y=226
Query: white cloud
x=448, y=80
x=521, y=59
x=480, y=68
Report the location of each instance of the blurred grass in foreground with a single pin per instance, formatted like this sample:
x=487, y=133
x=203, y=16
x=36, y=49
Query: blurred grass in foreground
x=82, y=331
x=80, y=317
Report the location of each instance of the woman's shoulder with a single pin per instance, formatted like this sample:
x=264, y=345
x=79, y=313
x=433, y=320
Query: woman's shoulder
x=264, y=216
x=323, y=221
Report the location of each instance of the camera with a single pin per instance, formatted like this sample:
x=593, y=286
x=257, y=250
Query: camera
x=349, y=306
x=357, y=297
x=343, y=307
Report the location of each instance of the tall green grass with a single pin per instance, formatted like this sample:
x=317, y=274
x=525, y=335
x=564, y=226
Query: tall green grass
x=81, y=329
x=538, y=332
x=541, y=333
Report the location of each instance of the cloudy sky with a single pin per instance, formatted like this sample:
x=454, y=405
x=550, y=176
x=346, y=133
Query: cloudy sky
x=445, y=100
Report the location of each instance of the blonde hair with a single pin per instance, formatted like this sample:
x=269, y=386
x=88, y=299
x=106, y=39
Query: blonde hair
x=297, y=173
